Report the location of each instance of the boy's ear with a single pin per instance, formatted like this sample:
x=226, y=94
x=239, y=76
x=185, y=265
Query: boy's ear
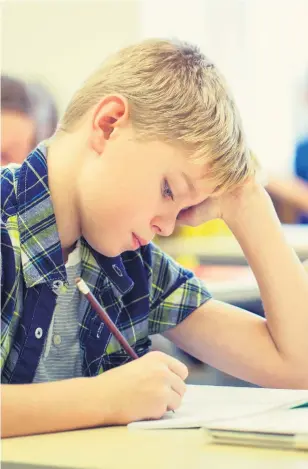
x=106, y=126
x=109, y=113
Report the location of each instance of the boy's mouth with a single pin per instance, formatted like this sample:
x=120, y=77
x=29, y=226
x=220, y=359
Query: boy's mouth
x=138, y=242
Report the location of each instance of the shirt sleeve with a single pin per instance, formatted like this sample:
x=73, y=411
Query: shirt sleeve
x=175, y=292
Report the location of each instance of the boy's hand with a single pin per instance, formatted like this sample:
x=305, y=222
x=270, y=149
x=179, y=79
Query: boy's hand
x=225, y=206
x=142, y=389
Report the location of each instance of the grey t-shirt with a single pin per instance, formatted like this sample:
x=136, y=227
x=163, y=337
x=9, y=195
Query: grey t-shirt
x=61, y=356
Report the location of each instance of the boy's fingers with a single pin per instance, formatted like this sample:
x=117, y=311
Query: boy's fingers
x=174, y=400
x=177, y=384
x=172, y=363
x=177, y=367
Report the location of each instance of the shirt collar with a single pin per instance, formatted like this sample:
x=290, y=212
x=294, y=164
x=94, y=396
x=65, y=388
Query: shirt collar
x=41, y=252
x=113, y=268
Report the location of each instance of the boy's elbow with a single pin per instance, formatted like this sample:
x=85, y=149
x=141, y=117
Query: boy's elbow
x=296, y=375
x=286, y=374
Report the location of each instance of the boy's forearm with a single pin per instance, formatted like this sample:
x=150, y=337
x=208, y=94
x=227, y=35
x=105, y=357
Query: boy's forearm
x=282, y=279
x=47, y=407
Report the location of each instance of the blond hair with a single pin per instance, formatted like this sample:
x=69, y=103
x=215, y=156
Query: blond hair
x=176, y=95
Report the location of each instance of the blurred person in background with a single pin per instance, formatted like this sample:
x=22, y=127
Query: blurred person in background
x=17, y=121
x=294, y=190
x=301, y=160
x=28, y=115
x=301, y=171
x=45, y=111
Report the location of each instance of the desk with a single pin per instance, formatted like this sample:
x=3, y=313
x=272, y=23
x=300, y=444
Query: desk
x=229, y=283
x=114, y=448
x=226, y=249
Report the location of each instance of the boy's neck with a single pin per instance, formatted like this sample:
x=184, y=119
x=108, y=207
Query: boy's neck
x=63, y=162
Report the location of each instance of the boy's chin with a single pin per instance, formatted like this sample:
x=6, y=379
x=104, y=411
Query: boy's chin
x=104, y=248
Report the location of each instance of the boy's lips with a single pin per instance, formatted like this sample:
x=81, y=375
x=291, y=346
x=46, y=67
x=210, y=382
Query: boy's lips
x=137, y=241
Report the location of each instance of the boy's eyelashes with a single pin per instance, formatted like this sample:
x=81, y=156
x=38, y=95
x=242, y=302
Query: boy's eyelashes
x=166, y=190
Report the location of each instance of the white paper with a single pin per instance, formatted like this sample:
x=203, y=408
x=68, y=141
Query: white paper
x=205, y=404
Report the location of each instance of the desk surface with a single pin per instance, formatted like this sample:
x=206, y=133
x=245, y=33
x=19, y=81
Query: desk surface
x=226, y=249
x=230, y=283
x=116, y=447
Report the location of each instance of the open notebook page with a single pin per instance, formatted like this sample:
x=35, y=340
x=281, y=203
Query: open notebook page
x=205, y=404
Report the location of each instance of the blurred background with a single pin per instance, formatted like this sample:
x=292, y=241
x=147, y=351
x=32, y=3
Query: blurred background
x=261, y=46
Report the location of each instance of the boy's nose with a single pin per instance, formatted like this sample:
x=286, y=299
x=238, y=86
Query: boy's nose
x=166, y=227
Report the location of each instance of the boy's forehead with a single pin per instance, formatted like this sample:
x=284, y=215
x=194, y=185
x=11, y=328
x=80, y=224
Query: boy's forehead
x=199, y=179
x=196, y=174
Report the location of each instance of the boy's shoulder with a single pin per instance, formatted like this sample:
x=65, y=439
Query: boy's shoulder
x=21, y=184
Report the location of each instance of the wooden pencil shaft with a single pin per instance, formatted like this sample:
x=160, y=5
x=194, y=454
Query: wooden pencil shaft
x=111, y=326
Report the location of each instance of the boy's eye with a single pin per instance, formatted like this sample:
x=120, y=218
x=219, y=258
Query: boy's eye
x=166, y=190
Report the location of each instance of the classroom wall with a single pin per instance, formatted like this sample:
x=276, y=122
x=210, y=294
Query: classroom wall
x=60, y=42
x=258, y=45
x=261, y=47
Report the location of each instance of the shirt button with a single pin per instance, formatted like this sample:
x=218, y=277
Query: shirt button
x=57, y=339
x=57, y=285
x=38, y=332
x=117, y=270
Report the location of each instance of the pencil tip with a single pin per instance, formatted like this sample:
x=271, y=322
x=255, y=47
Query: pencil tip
x=77, y=279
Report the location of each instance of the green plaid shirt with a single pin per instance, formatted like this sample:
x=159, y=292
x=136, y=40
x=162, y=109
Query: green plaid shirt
x=144, y=291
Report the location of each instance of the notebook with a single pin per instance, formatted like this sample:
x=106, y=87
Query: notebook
x=203, y=405
x=286, y=429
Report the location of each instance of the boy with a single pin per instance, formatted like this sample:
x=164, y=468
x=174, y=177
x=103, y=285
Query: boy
x=152, y=137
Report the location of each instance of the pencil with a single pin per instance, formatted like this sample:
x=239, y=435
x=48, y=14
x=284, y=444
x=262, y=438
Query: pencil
x=83, y=287
x=85, y=290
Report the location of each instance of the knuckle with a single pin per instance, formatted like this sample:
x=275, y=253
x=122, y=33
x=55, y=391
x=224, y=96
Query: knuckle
x=182, y=389
x=176, y=402
x=161, y=397
x=157, y=355
x=160, y=373
x=159, y=410
x=184, y=371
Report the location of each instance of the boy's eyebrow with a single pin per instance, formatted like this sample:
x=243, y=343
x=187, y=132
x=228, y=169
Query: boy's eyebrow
x=189, y=183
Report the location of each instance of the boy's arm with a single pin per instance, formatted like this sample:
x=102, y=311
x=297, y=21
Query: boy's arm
x=48, y=407
x=271, y=352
